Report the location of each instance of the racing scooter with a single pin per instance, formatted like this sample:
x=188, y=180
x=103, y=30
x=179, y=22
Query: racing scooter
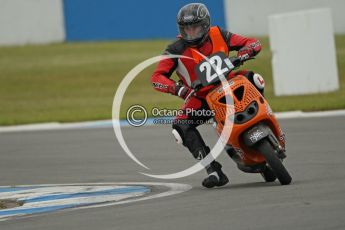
x=256, y=142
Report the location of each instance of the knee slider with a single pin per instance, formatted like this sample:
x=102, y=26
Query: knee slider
x=177, y=137
x=179, y=131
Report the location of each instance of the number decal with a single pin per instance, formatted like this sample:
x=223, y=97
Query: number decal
x=218, y=61
x=209, y=70
x=205, y=66
x=228, y=63
x=215, y=63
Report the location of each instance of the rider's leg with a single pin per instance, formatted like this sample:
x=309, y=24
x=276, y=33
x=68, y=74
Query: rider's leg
x=185, y=132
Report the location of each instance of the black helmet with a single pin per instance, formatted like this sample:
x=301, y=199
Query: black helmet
x=193, y=21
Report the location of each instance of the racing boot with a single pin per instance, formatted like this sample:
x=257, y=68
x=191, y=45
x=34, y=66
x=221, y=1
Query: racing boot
x=216, y=177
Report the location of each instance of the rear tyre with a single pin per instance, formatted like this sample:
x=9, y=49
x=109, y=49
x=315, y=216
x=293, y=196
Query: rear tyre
x=266, y=149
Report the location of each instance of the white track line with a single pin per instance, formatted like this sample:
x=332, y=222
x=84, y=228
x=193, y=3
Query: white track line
x=174, y=188
x=300, y=114
x=108, y=123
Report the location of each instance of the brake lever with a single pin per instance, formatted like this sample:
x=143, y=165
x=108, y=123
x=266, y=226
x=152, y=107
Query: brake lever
x=238, y=61
x=245, y=58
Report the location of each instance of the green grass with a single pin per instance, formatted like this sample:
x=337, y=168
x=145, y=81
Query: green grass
x=77, y=81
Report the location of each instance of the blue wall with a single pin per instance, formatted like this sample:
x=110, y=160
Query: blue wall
x=87, y=20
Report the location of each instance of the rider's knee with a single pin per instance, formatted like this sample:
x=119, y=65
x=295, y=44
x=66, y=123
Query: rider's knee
x=177, y=136
x=189, y=136
x=180, y=131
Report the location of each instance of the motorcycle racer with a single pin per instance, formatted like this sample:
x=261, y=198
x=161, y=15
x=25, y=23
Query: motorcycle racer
x=197, y=36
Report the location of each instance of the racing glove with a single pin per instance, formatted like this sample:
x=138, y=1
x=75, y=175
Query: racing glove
x=249, y=51
x=246, y=52
x=183, y=92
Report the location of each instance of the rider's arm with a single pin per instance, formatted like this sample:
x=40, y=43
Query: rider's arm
x=161, y=79
x=161, y=76
x=240, y=43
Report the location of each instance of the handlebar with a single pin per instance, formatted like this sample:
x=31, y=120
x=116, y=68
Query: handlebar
x=237, y=61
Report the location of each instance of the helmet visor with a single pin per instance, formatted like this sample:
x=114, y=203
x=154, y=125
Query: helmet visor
x=194, y=31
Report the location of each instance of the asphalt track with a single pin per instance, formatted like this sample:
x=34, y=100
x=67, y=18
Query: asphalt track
x=315, y=199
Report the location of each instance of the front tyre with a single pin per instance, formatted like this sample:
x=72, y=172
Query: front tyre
x=268, y=174
x=266, y=149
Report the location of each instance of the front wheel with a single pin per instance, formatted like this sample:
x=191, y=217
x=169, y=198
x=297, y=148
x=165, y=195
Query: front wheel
x=266, y=149
x=268, y=174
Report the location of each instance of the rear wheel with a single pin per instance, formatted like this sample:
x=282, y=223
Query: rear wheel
x=266, y=149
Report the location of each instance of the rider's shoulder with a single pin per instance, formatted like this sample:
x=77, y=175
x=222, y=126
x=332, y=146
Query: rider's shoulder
x=225, y=33
x=176, y=47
